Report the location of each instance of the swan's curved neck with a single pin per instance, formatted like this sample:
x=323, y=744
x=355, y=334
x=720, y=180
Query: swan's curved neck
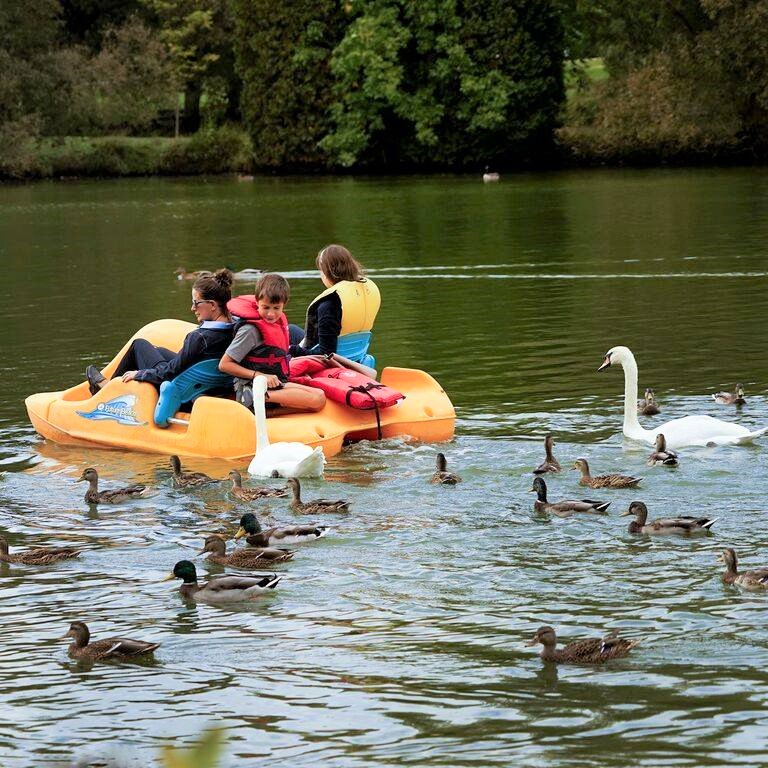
x=631, y=423
x=260, y=412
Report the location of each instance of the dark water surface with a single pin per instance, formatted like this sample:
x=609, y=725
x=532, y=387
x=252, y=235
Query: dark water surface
x=399, y=639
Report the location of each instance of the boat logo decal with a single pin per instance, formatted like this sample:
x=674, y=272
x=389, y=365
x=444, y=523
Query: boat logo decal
x=119, y=409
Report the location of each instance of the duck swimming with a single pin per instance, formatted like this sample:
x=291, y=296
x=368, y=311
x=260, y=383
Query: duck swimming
x=188, y=479
x=661, y=455
x=603, y=481
x=253, y=493
x=289, y=534
x=755, y=579
x=250, y=557
x=94, y=496
x=317, y=505
x=683, y=524
x=593, y=650
x=550, y=463
x=647, y=406
x=109, y=648
x=564, y=508
x=221, y=589
x=731, y=398
x=38, y=556
x=442, y=475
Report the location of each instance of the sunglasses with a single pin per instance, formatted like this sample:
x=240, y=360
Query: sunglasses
x=197, y=302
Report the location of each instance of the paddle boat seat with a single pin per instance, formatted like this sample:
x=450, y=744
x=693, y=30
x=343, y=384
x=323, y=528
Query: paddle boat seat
x=187, y=387
x=354, y=346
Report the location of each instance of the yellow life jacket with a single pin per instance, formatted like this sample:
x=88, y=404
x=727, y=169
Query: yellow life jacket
x=360, y=301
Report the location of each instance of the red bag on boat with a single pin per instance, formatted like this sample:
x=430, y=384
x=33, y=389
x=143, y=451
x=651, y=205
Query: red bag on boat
x=345, y=386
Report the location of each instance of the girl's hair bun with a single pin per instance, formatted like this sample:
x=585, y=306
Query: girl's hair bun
x=224, y=278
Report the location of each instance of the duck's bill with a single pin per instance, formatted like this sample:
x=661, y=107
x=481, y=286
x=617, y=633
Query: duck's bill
x=80, y=479
x=625, y=514
x=169, y=577
x=535, y=641
x=531, y=490
x=720, y=559
x=606, y=364
x=240, y=533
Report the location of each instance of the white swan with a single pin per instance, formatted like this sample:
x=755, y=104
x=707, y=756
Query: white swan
x=689, y=430
x=287, y=459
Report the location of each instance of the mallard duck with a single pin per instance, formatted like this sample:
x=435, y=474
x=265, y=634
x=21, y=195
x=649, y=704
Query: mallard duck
x=661, y=455
x=316, y=506
x=731, y=398
x=291, y=534
x=592, y=650
x=110, y=648
x=603, y=481
x=39, y=556
x=563, y=508
x=94, y=496
x=647, y=406
x=250, y=557
x=550, y=463
x=441, y=474
x=754, y=579
x=221, y=589
x=256, y=492
x=182, y=274
x=188, y=479
x=682, y=524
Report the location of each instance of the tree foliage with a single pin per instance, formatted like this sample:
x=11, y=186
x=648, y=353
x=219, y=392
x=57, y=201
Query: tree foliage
x=283, y=52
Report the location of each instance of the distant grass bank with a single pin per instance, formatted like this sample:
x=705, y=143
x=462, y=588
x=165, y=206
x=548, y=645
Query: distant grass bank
x=224, y=150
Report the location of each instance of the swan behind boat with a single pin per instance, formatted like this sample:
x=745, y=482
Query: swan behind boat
x=688, y=430
x=285, y=459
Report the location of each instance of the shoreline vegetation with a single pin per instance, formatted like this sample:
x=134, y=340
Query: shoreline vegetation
x=378, y=87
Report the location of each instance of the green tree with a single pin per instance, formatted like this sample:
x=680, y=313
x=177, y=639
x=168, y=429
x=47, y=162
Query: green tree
x=446, y=83
x=282, y=55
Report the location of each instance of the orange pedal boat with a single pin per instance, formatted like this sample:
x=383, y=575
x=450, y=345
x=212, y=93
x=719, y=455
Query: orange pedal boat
x=121, y=414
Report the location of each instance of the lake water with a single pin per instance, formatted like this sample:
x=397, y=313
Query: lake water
x=399, y=639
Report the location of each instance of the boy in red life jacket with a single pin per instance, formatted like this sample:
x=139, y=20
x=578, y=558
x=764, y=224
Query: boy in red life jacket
x=260, y=348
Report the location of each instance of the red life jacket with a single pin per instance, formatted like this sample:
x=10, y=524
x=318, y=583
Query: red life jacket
x=345, y=386
x=271, y=356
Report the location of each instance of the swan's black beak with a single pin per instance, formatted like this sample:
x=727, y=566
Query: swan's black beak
x=606, y=363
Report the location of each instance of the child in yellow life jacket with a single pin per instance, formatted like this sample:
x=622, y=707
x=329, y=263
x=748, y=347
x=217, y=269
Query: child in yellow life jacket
x=260, y=348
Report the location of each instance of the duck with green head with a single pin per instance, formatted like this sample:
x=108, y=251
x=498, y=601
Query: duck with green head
x=564, y=508
x=221, y=589
x=256, y=536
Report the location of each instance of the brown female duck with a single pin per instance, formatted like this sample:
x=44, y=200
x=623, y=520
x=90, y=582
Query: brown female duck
x=38, y=556
x=221, y=589
x=550, y=463
x=681, y=525
x=754, y=579
x=94, y=496
x=254, y=493
x=564, y=508
x=648, y=406
x=731, y=398
x=603, y=481
x=316, y=506
x=250, y=557
x=593, y=650
x=661, y=454
x=188, y=479
x=442, y=475
x=289, y=534
x=110, y=648
x=182, y=274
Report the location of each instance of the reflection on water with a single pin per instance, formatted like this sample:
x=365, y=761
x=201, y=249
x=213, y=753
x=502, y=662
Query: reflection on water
x=399, y=638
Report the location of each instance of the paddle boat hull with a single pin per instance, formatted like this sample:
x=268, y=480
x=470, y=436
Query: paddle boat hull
x=121, y=414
